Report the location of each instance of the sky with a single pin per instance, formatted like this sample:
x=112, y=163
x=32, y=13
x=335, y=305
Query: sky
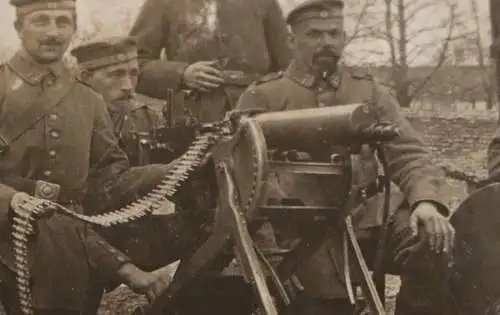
x=110, y=13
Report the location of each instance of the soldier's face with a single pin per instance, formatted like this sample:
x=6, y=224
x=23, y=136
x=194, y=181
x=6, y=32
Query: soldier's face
x=116, y=82
x=319, y=42
x=46, y=34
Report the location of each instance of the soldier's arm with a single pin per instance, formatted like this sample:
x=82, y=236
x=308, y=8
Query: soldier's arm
x=150, y=30
x=409, y=161
x=113, y=182
x=494, y=158
x=277, y=37
x=6, y=194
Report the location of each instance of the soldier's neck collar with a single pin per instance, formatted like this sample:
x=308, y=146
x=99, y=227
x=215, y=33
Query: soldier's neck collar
x=125, y=106
x=32, y=72
x=303, y=76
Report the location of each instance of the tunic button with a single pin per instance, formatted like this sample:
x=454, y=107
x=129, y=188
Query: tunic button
x=52, y=153
x=47, y=173
x=54, y=134
x=53, y=116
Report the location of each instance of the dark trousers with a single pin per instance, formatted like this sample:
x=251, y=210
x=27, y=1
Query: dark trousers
x=423, y=273
x=10, y=300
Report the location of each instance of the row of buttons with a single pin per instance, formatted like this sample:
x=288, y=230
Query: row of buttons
x=54, y=134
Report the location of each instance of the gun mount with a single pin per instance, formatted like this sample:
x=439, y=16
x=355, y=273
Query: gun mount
x=244, y=165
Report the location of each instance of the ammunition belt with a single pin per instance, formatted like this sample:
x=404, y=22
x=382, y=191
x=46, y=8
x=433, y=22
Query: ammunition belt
x=26, y=214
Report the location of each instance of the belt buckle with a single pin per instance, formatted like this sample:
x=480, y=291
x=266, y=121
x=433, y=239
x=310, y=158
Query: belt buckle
x=47, y=190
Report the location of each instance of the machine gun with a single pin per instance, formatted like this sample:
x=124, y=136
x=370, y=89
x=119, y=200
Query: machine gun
x=243, y=165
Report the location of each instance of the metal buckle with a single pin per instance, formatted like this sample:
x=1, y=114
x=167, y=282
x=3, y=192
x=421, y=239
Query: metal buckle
x=47, y=190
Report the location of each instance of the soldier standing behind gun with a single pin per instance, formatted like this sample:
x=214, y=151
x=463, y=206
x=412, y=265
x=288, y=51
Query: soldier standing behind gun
x=54, y=133
x=314, y=79
x=214, y=50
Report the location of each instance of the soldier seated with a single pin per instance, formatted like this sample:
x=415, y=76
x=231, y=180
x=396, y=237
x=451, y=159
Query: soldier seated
x=315, y=79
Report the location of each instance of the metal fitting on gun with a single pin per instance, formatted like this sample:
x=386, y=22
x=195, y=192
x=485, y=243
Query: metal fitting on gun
x=381, y=131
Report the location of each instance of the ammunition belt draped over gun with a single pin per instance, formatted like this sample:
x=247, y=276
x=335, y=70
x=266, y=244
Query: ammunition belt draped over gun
x=239, y=146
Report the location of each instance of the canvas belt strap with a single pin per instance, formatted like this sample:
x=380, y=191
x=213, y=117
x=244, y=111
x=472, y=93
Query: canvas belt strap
x=14, y=127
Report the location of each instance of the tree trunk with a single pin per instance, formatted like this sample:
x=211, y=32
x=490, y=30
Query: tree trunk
x=402, y=84
x=495, y=47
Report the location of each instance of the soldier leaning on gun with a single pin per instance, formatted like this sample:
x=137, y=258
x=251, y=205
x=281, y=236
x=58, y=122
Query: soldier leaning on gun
x=214, y=49
x=314, y=79
x=111, y=67
x=55, y=131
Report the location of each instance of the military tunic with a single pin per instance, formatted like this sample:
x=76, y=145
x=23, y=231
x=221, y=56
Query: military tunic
x=75, y=139
x=132, y=122
x=409, y=165
x=249, y=38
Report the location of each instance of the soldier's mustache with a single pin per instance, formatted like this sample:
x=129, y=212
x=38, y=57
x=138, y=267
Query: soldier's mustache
x=51, y=41
x=327, y=53
x=125, y=97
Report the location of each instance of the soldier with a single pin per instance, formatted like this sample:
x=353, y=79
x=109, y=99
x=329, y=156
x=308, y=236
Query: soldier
x=315, y=79
x=54, y=132
x=110, y=66
x=214, y=49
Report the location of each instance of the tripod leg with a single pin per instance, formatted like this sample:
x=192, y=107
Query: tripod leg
x=244, y=248
x=368, y=287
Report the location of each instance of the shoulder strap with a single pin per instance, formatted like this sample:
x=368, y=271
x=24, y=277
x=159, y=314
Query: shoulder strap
x=14, y=127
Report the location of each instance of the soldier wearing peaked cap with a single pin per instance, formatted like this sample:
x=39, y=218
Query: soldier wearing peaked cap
x=111, y=67
x=315, y=78
x=55, y=137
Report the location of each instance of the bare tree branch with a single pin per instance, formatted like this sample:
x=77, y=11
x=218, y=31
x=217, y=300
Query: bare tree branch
x=443, y=52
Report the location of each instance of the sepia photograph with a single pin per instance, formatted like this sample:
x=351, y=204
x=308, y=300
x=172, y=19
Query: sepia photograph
x=249, y=157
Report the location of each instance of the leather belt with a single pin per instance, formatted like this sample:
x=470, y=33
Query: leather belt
x=240, y=78
x=45, y=190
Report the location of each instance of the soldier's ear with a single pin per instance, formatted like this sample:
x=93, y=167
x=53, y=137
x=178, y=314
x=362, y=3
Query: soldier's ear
x=18, y=24
x=292, y=39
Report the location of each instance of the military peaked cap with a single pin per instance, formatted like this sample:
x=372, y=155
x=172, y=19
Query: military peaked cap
x=28, y=6
x=315, y=9
x=107, y=52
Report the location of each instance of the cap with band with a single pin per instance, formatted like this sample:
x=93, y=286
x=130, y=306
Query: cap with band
x=24, y=7
x=103, y=53
x=314, y=9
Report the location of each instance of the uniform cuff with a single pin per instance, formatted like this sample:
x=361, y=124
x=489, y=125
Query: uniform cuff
x=105, y=259
x=158, y=77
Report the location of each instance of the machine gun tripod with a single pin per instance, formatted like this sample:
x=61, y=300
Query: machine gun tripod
x=243, y=166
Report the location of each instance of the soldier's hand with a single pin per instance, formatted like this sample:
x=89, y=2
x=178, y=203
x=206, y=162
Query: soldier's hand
x=22, y=202
x=151, y=284
x=203, y=76
x=440, y=232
